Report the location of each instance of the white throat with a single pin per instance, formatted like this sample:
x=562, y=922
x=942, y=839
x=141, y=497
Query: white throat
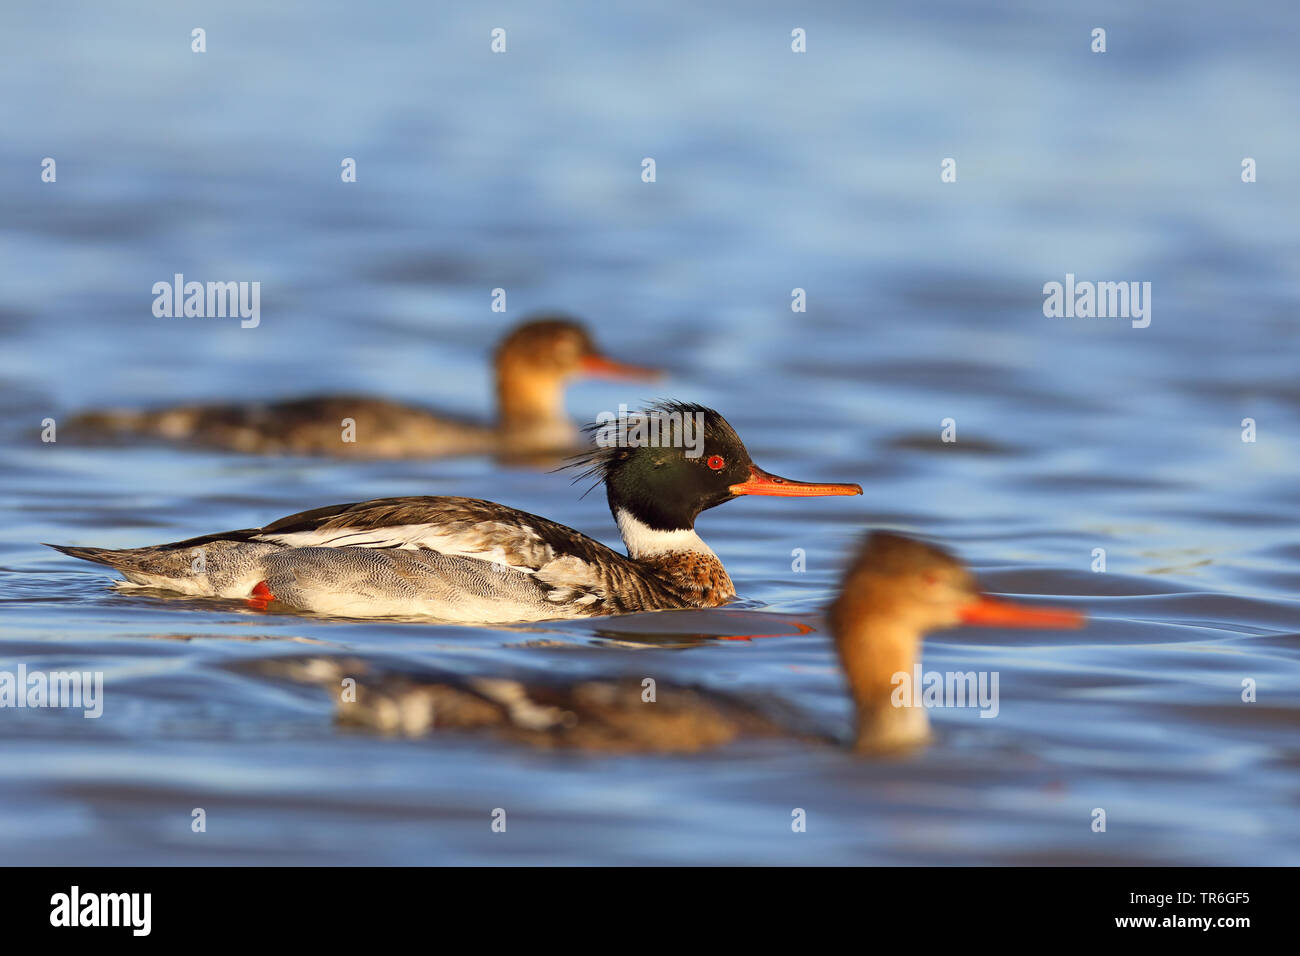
x=643, y=541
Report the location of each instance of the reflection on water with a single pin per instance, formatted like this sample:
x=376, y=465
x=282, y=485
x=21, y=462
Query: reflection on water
x=775, y=171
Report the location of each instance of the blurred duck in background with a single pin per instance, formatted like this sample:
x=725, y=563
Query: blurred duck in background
x=533, y=364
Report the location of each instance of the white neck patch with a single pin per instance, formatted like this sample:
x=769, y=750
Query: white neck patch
x=645, y=542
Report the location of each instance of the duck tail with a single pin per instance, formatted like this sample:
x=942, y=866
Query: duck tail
x=114, y=559
x=114, y=420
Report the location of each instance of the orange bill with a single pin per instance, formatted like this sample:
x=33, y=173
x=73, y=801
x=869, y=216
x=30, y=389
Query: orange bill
x=994, y=612
x=602, y=366
x=764, y=483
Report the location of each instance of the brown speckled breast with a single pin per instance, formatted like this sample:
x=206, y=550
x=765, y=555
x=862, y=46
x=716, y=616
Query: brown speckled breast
x=700, y=578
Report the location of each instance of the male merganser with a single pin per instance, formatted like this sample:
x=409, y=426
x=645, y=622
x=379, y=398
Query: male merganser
x=473, y=561
x=533, y=363
x=895, y=590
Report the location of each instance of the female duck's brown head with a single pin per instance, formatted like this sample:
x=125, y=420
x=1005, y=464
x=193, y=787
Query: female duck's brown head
x=895, y=590
x=537, y=359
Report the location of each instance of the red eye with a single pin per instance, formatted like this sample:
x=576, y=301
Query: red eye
x=715, y=462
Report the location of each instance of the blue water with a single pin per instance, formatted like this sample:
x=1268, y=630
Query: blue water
x=775, y=171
